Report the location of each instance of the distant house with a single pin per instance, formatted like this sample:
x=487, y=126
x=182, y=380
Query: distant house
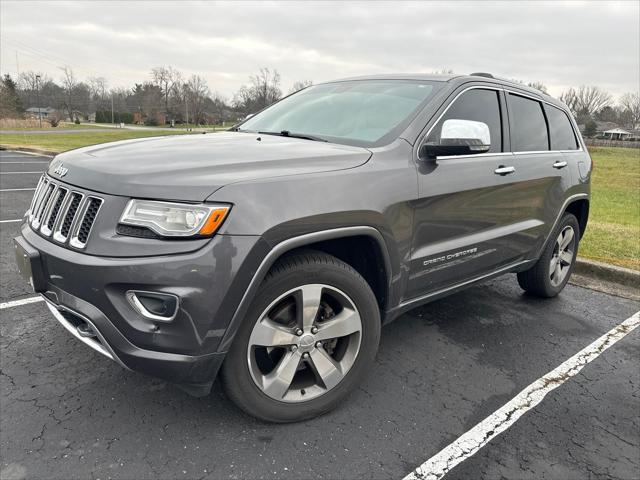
x=33, y=112
x=616, y=134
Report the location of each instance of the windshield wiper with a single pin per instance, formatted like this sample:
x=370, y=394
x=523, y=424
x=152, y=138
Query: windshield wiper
x=287, y=133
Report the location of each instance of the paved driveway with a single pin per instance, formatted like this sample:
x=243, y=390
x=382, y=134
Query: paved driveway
x=66, y=412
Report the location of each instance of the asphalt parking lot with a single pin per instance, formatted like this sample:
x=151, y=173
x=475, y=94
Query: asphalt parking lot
x=66, y=412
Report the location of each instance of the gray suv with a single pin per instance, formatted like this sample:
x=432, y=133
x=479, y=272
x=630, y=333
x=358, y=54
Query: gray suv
x=273, y=253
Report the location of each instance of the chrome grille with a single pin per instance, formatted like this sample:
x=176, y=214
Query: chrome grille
x=68, y=215
x=83, y=227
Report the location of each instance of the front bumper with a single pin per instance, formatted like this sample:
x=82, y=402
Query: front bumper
x=86, y=294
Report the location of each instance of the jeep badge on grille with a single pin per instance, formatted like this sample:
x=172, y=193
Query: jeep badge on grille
x=61, y=170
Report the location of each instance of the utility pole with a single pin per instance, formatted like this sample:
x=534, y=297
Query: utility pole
x=112, y=108
x=38, y=99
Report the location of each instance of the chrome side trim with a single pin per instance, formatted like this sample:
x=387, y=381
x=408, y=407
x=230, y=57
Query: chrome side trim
x=285, y=246
x=507, y=90
x=142, y=310
x=101, y=347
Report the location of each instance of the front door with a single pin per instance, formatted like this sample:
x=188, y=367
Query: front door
x=466, y=218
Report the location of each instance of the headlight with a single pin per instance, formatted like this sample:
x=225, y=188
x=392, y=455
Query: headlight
x=170, y=219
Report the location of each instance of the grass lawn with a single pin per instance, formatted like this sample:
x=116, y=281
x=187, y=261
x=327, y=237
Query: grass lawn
x=63, y=142
x=613, y=232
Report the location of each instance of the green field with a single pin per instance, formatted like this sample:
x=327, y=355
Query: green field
x=613, y=233
x=60, y=142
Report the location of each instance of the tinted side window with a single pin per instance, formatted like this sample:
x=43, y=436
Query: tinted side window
x=560, y=130
x=528, y=126
x=477, y=105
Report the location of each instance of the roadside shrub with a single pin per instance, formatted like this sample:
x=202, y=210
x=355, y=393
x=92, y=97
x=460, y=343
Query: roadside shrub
x=77, y=121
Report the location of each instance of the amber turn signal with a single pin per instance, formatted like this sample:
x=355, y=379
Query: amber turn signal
x=216, y=217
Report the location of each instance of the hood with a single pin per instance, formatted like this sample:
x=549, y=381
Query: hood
x=192, y=167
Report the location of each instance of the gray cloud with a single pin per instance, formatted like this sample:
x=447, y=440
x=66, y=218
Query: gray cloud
x=559, y=43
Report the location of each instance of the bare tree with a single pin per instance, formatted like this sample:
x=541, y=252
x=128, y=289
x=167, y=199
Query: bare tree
x=300, y=85
x=97, y=87
x=31, y=80
x=168, y=79
x=591, y=99
x=570, y=99
x=538, y=86
x=197, y=94
x=263, y=91
x=630, y=105
x=69, y=83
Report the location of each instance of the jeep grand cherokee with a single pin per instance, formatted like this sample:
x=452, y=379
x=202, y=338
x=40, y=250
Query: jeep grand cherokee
x=273, y=253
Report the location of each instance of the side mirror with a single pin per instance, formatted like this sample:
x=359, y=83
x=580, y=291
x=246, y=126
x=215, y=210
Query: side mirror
x=458, y=137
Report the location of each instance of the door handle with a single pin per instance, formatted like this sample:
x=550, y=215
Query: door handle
x=502, y=170
x=559, y=165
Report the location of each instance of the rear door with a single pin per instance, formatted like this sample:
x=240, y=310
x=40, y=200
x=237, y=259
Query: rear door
x=538, y=138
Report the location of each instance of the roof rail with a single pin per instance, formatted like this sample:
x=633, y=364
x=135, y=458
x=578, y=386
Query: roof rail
x=482, y=74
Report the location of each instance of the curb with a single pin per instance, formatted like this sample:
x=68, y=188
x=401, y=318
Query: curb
x=39, y=151
x=607, y=273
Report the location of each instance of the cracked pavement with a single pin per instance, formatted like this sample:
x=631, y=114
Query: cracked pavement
x=66, y=412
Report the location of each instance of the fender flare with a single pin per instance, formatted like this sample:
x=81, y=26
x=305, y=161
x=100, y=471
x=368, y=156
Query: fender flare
x=565, y=205
x=284, y=247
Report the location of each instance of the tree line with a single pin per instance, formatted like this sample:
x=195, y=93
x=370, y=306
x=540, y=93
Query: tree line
x=172, y=96
x=167, y=96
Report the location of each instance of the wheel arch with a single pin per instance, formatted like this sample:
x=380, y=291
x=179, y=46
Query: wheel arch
x=372, y=262
x=579, y=208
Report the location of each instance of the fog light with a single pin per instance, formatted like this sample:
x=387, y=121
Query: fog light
x=153, y=305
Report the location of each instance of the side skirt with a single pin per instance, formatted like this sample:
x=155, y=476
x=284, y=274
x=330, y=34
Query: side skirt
x=407, y=305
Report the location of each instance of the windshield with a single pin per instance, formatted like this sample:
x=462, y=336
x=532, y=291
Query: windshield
x=358, y=112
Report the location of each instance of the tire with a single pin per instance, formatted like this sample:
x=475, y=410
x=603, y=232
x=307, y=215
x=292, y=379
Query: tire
x=320, y=371
x=540, y=280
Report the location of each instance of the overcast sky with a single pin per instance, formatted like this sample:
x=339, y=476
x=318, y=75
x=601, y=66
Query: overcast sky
x=561, y=44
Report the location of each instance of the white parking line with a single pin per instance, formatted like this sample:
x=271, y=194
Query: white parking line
x=15, y=173
x=18, y=154
x=10, y=221
x=17, y=190
x=17, y=303
x=503, y=418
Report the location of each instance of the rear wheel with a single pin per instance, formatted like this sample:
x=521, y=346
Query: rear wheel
x=551, y=272
x=309, y=337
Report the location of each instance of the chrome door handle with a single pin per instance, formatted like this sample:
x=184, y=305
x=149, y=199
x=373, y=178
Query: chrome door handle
x=559, y=164
x=502, y=170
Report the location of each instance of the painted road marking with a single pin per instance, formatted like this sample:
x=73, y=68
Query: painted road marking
x=18, y=154
x=41, y=162
x=16, y=173
x=17, y=190
x=10, y=221
x=499, y=421
x=17, y=303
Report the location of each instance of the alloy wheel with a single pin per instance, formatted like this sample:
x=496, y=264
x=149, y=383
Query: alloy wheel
x=562, y=257
x=304, y=343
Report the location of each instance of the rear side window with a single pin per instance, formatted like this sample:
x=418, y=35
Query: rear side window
x=528, y=125
x=478, y=105
x=560, y=130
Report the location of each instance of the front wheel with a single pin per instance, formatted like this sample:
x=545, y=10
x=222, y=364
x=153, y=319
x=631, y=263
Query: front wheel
x=309, y=338
x=551, y=272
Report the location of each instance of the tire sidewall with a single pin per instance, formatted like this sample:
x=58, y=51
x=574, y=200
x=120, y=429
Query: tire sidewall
x=236, y=373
